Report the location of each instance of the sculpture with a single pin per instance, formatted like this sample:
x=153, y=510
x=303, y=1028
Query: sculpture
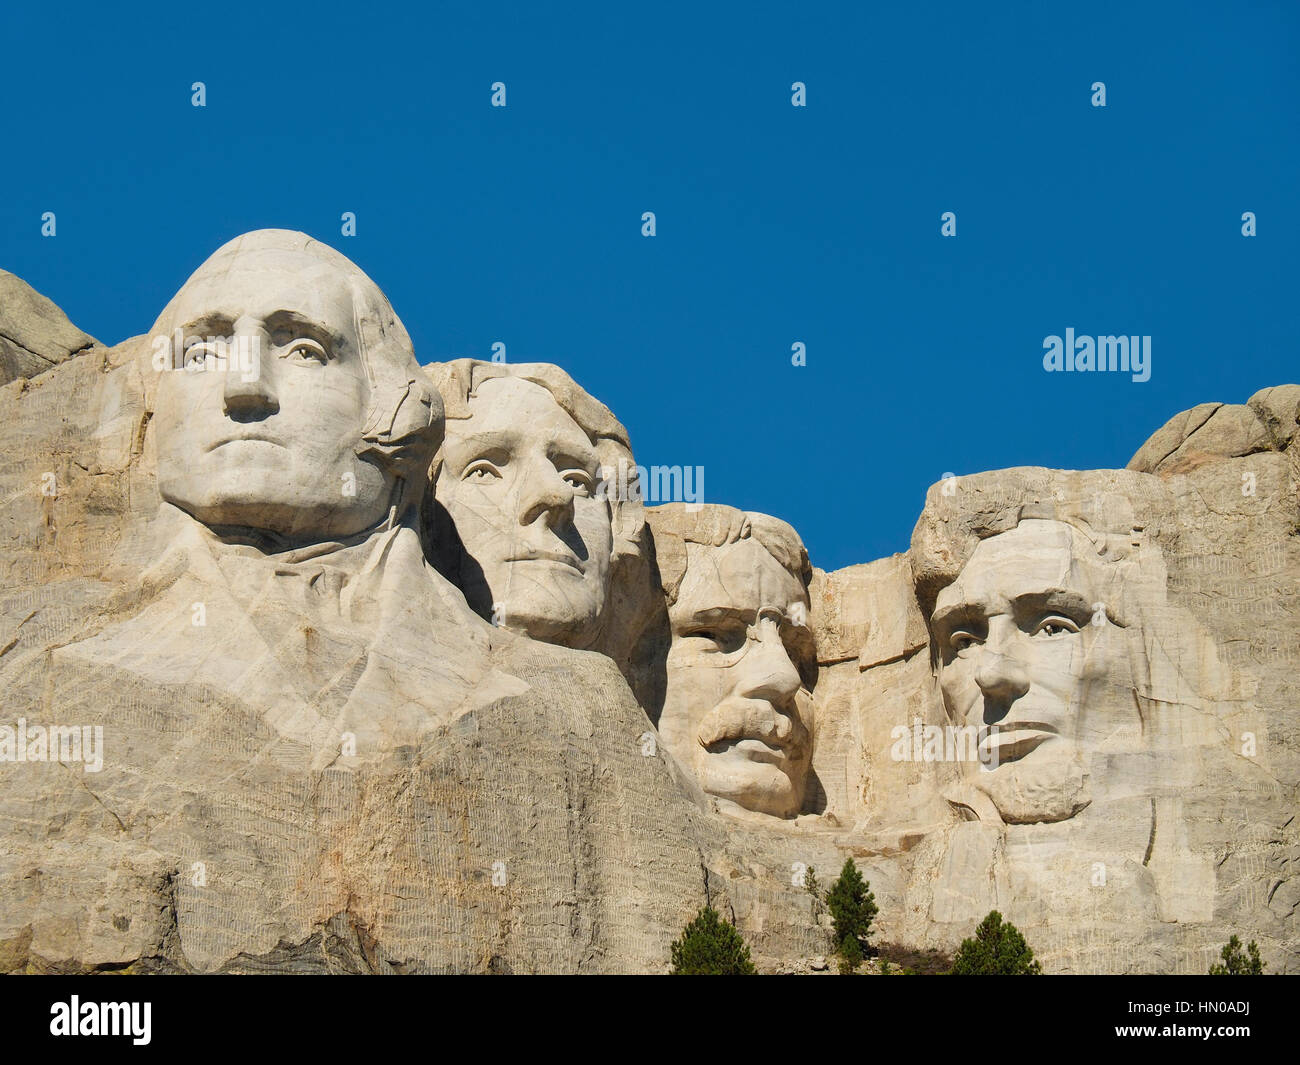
x=523, y=519
x=317, y=436
x=1032, y=650
x=741, y=661
x=295, y=695
x=285, y=565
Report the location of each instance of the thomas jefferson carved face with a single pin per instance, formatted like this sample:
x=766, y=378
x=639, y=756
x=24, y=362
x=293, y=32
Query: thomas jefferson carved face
x=1025, y=646
x=269, y=446
x=735, y=711
x=519, y=480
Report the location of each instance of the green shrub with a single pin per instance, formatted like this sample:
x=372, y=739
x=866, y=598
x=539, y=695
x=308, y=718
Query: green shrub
x=913, y=962
x=850, y=956
x=710, y=946
x=815, y=890
x=1235, y=963
x=853, y=908
x=998, y=949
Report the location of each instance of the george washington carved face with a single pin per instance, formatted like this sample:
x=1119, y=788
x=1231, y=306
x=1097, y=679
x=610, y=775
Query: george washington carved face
x=274, y=442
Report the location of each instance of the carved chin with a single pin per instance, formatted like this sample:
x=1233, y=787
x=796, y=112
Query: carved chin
x=546, y=602
x=564, y=623
x=760, y=788
x=1032, y=791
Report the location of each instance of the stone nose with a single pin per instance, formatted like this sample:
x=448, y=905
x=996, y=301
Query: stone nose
x=544, y=494
x=766, y=671
x=1002, y=680
x=248, y=390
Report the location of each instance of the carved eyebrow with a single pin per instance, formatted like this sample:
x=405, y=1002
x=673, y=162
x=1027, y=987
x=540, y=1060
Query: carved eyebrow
x=492, y=439
x=1062, y=601
x=746, y=616
x=948, y=618
x=563, y=459
x=305, y=326
x=572, y=452
x=720, y=613
x=210, y=324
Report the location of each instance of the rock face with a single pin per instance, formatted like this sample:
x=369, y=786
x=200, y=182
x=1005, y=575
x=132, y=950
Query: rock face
x=1212, y=431
x=740, y=664
x=315, y=659
x=1131, y=636
x=34, y=333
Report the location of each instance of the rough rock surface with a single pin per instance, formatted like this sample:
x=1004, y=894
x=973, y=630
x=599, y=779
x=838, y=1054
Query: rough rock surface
x=543, y=826
x=1211, y=431
x=34, y=333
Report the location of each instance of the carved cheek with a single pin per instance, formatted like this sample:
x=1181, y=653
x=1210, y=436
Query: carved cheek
x=591, y=518
x=960, y=692
x=1055, y=666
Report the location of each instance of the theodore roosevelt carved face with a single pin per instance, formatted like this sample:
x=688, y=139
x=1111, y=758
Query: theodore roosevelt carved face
x=736, y=709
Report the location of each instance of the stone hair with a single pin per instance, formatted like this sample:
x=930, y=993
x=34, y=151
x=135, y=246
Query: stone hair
x=716, y=524
x=459, y=379
x=989, y=504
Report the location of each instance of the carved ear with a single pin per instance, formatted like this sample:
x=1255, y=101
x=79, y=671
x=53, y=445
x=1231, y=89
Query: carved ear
x=404, y=425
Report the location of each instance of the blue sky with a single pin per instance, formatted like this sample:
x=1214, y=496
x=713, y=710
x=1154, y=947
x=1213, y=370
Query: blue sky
x=775, y=224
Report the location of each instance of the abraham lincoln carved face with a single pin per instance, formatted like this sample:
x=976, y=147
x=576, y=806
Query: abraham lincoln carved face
x=1031, y=653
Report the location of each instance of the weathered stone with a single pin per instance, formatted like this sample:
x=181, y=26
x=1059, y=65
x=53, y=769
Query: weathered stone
x=1212, y=431
x=34, y=333
x=271, y=588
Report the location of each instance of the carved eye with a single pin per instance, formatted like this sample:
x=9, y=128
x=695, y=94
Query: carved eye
x=305, y=352
x=1054, y=626
x=962, y=641
x=198, y=353
x=481, y=471
x=719, y=639
x=579, y=480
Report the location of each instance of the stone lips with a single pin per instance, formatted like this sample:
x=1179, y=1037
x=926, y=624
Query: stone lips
x=500, y=813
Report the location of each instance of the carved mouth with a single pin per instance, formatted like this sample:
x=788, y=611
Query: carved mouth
x=1014, y=741
x=548, y=556
x=262, y=438
x=754, y=750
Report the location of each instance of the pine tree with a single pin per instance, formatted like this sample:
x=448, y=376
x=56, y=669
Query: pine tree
x=850, y=955
x=853, y=908
x=998, y=949
x=710, y=946
x=814, y=889
x=1235, y=963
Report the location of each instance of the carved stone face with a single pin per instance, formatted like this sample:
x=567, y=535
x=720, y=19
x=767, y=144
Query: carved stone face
x=519, y=480
x=732, y=709
x=1019, y=650
x=269, y=445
